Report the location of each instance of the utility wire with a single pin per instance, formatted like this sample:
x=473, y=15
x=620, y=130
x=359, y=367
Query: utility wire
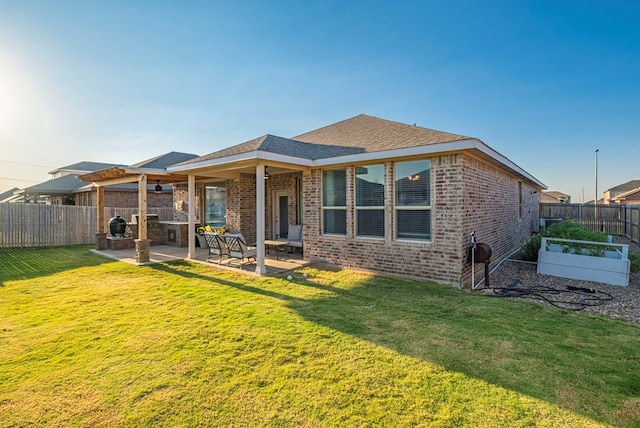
x=19, y=179
x=27, y=164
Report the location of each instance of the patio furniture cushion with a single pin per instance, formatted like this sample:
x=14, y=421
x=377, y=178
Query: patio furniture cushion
x=217, y=246
x=238, y=248
x=294, y=236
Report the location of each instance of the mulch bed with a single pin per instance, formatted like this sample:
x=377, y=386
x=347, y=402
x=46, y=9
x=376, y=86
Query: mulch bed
x=514, y=278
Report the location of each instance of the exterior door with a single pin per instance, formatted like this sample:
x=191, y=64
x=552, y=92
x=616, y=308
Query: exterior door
x=280, y=214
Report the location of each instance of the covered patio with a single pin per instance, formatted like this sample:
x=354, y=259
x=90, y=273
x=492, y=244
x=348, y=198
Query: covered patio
x=263, y=198
x=166, y=253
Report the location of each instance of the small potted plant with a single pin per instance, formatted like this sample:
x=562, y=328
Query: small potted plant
x=221, y=230
x=200, y=231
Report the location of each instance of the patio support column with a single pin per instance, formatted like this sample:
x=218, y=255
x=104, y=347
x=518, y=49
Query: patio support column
x=260, y=207
x=142, y=243
x=101, y=236
x=191, y=201
x=142, y=206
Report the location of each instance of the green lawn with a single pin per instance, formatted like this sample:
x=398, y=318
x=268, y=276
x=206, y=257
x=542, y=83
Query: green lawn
x=85, y=341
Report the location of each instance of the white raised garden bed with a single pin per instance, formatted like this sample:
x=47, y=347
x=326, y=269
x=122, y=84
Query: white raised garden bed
x=585, y=260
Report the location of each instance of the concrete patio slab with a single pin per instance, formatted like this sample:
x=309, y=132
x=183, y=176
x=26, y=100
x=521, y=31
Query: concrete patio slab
x=167, y=253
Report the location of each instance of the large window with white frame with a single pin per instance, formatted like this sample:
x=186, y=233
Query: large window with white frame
x=334, y=202
x=369, y=187
x=413, y=199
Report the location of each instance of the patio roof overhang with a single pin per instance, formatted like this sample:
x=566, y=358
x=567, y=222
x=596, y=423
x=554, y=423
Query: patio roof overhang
x=231, y=166
x=121, y=175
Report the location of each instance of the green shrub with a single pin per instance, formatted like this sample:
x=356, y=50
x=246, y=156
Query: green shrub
x=567, y=229
x=635, y=262
x=529, y=250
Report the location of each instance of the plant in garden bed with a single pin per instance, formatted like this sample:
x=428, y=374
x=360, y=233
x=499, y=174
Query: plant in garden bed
x=635, y=262
x=567, y=229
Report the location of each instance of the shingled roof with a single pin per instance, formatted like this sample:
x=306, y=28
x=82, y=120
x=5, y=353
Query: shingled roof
x=372, y=134
x=8, y=194
x=360, y=134
x=84, y=166
x=352, y=140
x=625, y=187
x=70, y=183
x=282, y=146
x=61, y=185
x=165, y=160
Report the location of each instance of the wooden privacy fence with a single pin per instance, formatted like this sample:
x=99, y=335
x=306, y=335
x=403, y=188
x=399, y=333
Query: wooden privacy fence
x=35, y=225
x=621, y=220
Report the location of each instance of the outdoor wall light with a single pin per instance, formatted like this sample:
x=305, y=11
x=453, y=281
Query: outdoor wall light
x=158, y=188
x=266, y=173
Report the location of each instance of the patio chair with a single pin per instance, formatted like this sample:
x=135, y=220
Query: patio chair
x=293, y=238
x=217, y=246
x=238, y=248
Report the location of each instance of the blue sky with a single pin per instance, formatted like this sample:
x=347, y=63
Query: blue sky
x=544, y=83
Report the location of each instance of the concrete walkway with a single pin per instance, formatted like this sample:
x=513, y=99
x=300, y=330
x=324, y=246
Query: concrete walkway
x=167, y=253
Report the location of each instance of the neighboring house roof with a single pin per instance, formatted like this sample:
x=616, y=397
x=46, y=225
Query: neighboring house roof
x=8, y=194
x=600, y=202
x=71, y=184
x=361, y=138
x=126, y=187
x=162, y=161
x=84, y=166
x=554, y=196
x=56, y=186
x=154, y=169
x=625, y=195
x=625, y=187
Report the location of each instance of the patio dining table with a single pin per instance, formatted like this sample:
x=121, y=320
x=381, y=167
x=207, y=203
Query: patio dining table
x=276, y=245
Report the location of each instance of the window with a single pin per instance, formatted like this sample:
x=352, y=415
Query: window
x=520, y=201
x=370, y=200
x=334, y=202
x=300, y=219
x=413, y=199
x=215, y=200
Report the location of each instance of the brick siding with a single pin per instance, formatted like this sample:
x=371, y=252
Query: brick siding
x=181, y=201
x=468, y=195
x=490, y=207
x=281, y=183
x=124, y=199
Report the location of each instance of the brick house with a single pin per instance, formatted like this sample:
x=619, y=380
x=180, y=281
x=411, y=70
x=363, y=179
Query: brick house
x=62, y=187
x=370, y=193
x=623, y=194
x=126, y=194
x=631, y=197
x=65, y=188
x=554, y=197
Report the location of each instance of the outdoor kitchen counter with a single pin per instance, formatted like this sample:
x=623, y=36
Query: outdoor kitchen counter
x=176, y=233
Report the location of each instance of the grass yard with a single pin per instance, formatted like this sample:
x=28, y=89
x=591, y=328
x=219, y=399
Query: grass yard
x=85, y=341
